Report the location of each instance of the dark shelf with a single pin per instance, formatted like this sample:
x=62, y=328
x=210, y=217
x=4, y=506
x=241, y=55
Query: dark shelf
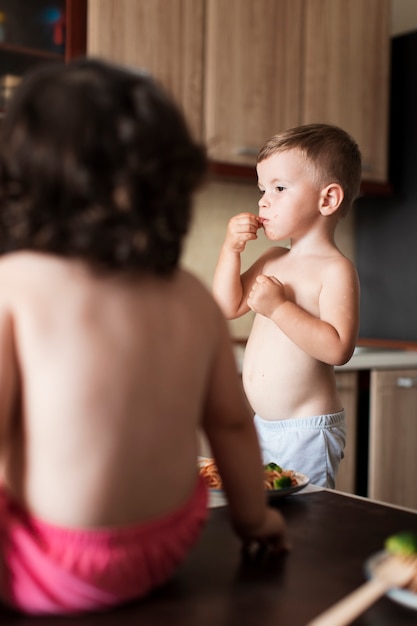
x=29, y=40
x=33, y=52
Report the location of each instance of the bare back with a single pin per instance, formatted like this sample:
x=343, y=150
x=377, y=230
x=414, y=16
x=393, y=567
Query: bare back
x=113, y=374
x=281, y=379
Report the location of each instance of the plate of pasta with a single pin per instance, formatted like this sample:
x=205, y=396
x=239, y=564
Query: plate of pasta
x=279, y=482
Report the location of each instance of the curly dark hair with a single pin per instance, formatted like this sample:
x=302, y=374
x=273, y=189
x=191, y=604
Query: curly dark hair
x=97, y=163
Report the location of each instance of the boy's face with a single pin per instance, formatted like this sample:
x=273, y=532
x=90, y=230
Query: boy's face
x=289, y=205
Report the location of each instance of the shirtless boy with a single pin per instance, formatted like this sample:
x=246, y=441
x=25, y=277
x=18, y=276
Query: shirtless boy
x=112, y=356
x=306, y=297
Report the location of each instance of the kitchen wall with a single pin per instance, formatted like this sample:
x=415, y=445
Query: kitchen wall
x=404, y=16
x=219, y=201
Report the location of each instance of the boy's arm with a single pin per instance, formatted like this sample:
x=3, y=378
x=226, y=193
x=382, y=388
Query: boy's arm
x=229, y=427
x=331, y=337
x=228, y=287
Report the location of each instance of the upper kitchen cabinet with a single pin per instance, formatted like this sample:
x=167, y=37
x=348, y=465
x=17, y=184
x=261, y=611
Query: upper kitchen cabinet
x=35, y=32
x=252, y=74
x=164, y=37
x=273, y=64
x=243, y=70
x=347, y=73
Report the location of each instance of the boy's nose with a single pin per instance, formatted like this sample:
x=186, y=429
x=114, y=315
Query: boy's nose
x=262, y=202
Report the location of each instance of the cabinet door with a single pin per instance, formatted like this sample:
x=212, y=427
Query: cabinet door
x=165, y=37
x=252, y=74
x=347, y=385
x=393, y=437
x=346, y=81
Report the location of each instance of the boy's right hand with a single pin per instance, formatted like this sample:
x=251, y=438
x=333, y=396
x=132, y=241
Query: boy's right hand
x=271, y=533
x=241, y=229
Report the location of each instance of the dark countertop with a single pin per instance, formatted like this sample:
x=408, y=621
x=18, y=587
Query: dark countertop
x=332, y=535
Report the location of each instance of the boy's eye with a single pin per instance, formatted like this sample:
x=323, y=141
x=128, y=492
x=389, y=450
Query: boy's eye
x=280, y=188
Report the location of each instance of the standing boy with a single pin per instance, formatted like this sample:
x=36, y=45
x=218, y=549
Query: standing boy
x=306, y=297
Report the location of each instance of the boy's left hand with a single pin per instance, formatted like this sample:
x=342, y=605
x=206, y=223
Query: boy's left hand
x=266, y=295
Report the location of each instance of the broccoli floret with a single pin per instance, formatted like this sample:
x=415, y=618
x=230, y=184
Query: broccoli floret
x=273, y=467
x=281, y=483
x=402, y=544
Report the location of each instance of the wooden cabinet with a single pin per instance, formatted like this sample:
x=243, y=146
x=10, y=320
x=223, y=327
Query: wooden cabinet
x=271, y=65
x=346, y=73
x=347, y=384
x=253, y=74
x=164, y=37
x=393, y=437
x=243, y=70
x=34, y=32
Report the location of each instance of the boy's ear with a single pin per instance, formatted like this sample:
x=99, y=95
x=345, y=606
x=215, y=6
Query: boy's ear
x=331, y=197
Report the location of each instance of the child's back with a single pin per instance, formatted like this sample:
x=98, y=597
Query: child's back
x=114, y=373
x=112, y=358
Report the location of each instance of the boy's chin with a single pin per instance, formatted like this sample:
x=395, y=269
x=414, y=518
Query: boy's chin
x=271, y=235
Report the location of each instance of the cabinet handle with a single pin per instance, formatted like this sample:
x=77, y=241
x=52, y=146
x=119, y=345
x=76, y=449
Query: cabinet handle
x=247, y=151
x=406, y=382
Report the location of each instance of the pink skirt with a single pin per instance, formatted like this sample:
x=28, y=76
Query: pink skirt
x=48, y=569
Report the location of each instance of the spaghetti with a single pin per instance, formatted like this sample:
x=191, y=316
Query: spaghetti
x=275, y=478
x=210, y=473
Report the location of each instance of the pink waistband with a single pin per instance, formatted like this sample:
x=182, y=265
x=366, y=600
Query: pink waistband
x=123, y=535
x=54, y=570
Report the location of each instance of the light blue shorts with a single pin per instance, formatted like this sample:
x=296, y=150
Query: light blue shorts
x=310, y=445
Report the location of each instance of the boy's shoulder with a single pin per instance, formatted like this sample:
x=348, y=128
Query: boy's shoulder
x=339, y=269
x=333, y=261
x=340, y=259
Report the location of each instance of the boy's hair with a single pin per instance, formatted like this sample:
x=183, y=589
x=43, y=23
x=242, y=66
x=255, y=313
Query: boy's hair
x=332, y=154
x=97, y=163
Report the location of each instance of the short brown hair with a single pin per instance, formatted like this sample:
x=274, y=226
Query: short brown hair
x=331, y=152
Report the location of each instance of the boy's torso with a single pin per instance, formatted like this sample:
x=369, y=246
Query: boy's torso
x=280, y=379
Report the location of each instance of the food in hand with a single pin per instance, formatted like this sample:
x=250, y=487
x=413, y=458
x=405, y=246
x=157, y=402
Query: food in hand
x=404, y=546
x=275, y=476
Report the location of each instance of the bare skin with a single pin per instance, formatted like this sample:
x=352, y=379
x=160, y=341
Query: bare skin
x=104, y=382
x=306, y=298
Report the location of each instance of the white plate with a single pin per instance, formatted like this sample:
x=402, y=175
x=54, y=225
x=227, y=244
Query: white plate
x=402, y=596
x=302, y=481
